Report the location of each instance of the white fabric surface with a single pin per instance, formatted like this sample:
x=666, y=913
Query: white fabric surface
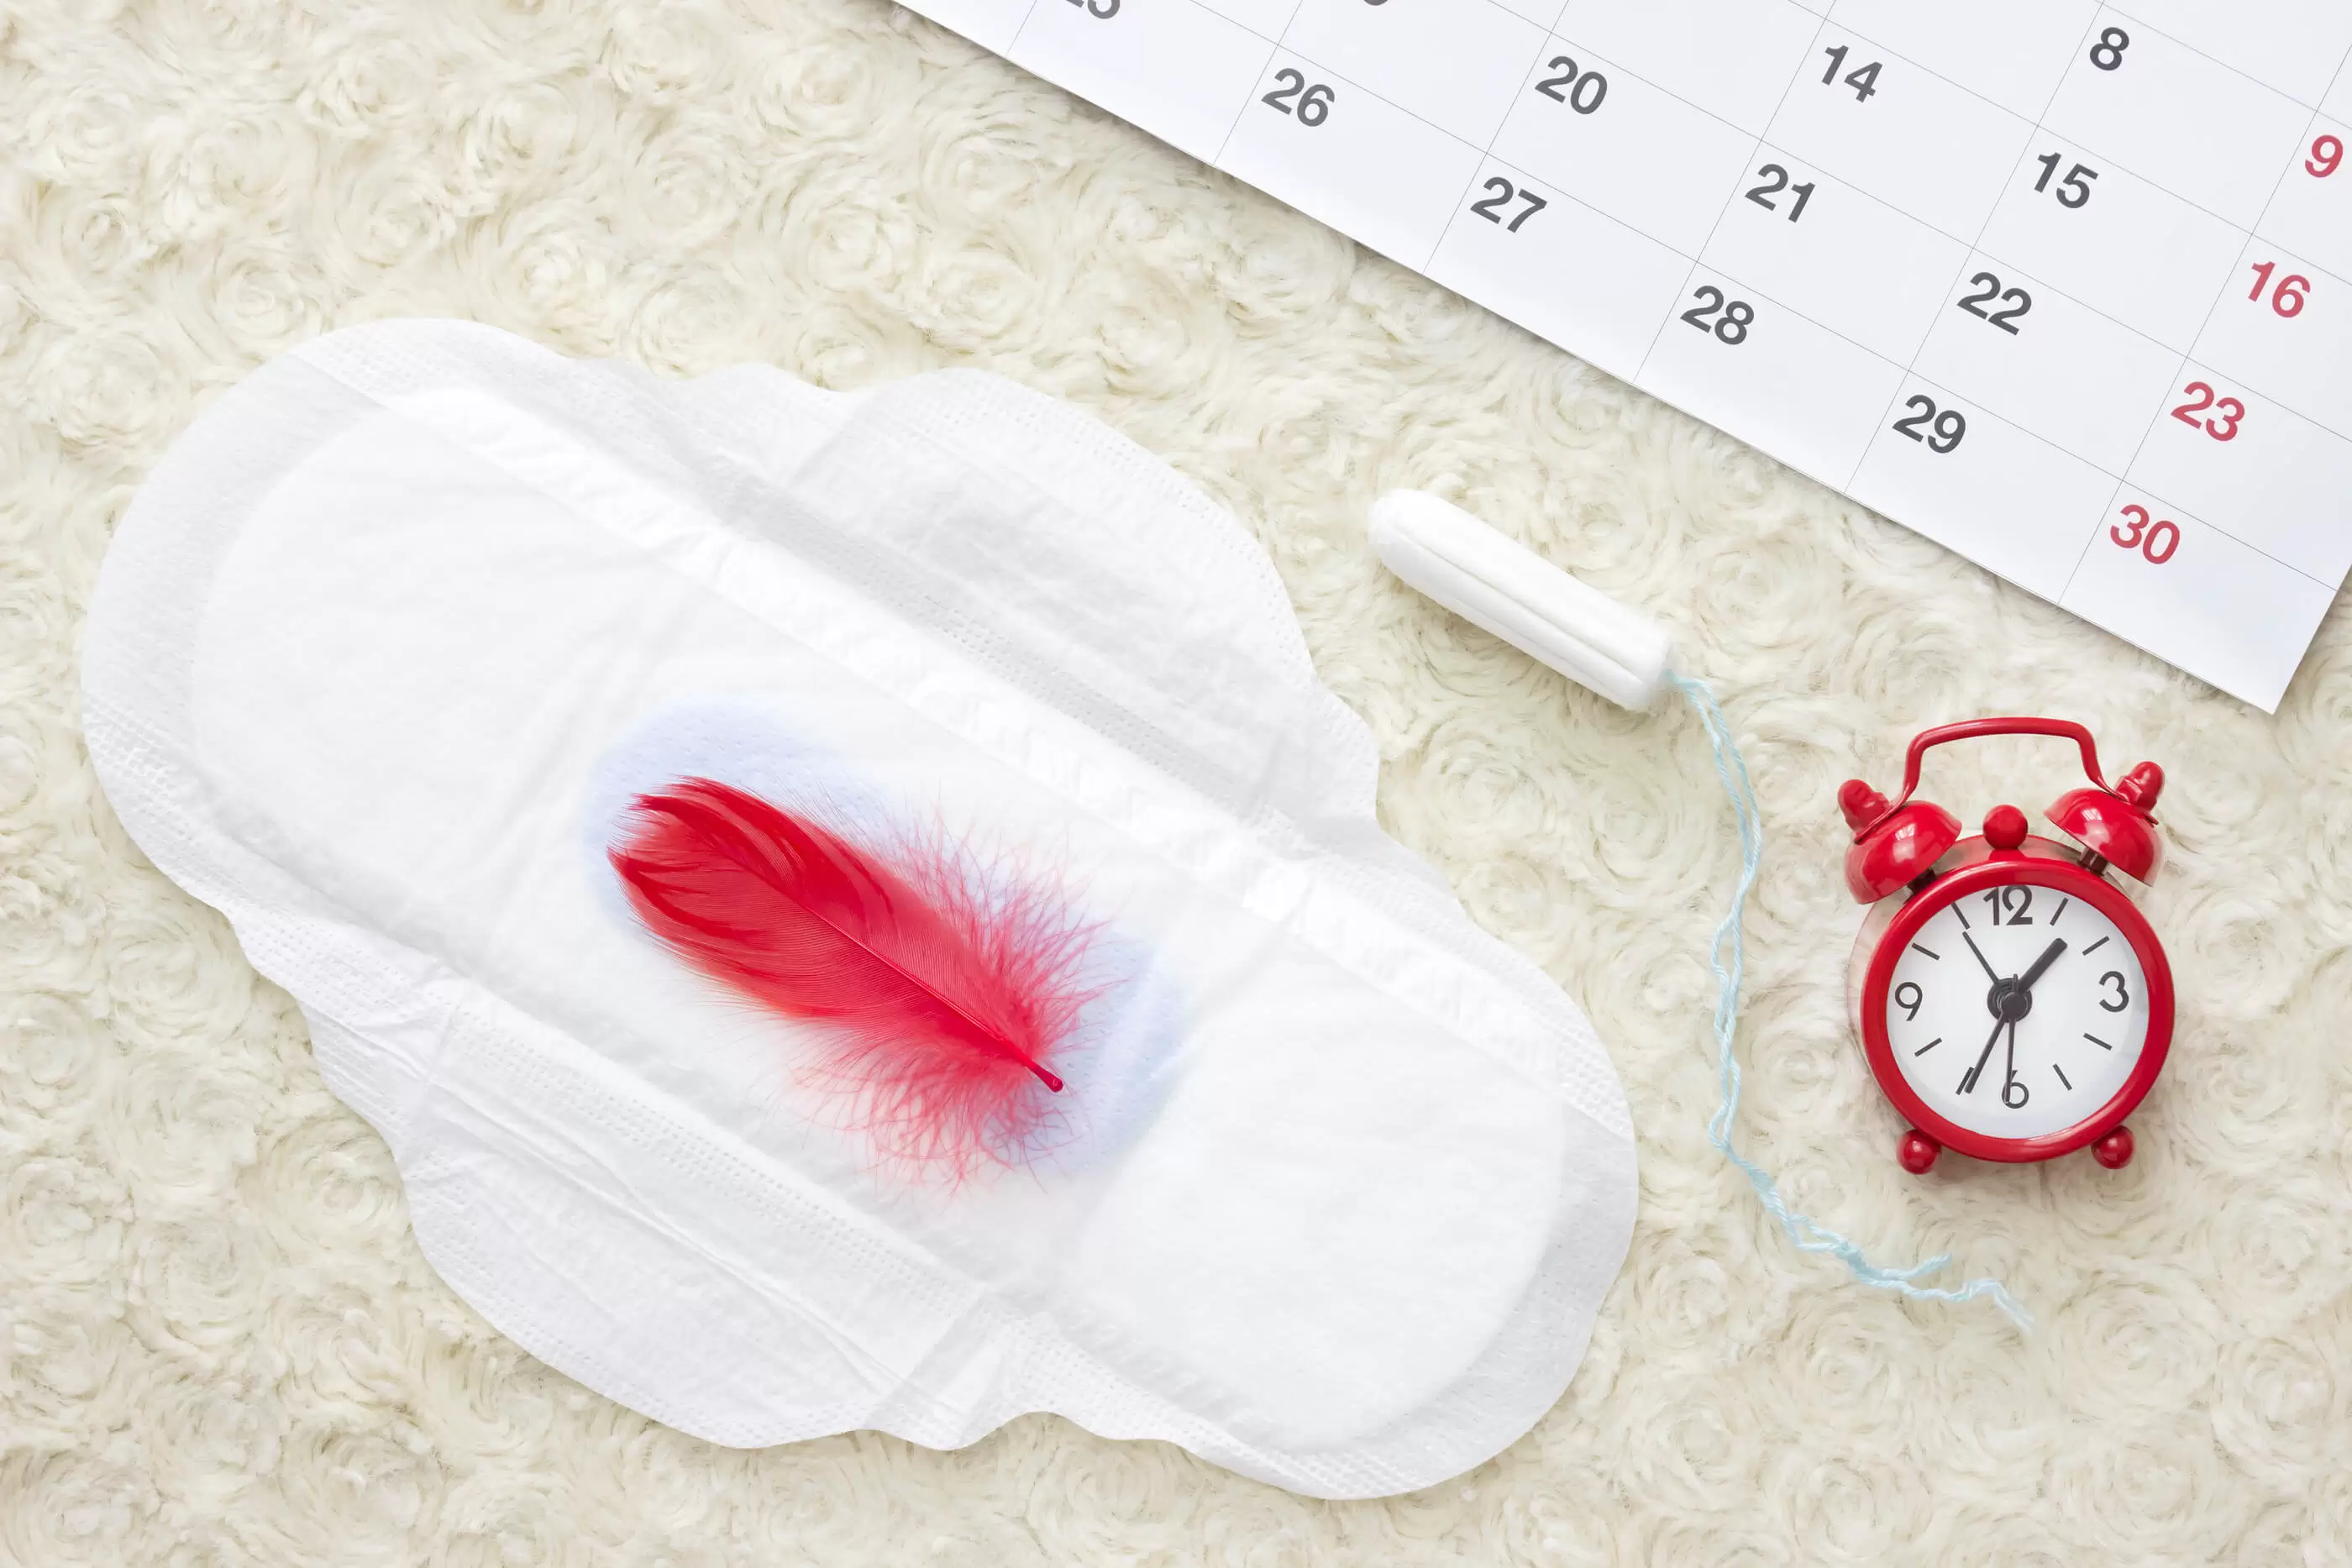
x=377, y=631
x=221, y=1342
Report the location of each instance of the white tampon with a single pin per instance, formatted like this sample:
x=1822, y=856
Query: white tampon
x=1501, y=585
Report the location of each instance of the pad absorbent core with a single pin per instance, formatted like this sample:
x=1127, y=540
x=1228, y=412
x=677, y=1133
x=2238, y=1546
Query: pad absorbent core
x=853, y=910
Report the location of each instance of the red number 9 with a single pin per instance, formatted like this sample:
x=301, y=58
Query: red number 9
x=2326, y=154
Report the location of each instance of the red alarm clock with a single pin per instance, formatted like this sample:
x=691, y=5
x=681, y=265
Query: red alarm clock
x=2014, y=1003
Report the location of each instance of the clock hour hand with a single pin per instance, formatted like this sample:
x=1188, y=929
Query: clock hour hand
x=2042, y=965
x=1969, y=1084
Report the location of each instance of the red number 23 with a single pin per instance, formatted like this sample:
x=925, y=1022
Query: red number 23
x=2231, y=409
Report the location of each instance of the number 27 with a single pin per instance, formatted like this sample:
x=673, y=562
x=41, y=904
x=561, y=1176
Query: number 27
x=1491, y=209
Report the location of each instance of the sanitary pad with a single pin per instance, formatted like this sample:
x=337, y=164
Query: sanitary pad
x=398, y=640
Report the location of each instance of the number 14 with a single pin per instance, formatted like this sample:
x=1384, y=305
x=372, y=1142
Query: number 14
x=1862, y=79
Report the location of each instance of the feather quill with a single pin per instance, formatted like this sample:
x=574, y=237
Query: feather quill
x=942, y=994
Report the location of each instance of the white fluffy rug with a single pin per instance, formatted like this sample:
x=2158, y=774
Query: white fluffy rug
x=218, y=1342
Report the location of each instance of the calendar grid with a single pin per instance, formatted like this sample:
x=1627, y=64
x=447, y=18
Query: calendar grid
x=1695, y=262
x=1391, y=141
x=1762, y=142
x=1485, y=156
x=2137, y=21
x=1976, y=249
x=2180, y=370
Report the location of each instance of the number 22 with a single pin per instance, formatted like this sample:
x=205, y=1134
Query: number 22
x=2232, y=410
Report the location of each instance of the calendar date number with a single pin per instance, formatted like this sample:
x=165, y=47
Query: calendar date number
x=1940, y=429
x=1775, y=180
x=2156, y=538
x=2287, y=295
x=2014, y=302
x=1500, y=194
x=2200, y=398
x=1729, y=319
x=2326, y=156
x=2074, y=189
x=1294, y=95
x=1101, y=10
x=1580, y=90
x=1862, y=79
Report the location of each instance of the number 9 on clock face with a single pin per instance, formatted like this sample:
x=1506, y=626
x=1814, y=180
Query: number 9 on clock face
x=2017, y=1010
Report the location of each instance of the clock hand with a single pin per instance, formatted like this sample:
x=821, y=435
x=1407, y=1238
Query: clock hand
x=2042, y=965
x=1969, y=1084
x=1980, y=959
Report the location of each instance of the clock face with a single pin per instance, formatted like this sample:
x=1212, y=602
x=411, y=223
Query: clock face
x=2017, y=1011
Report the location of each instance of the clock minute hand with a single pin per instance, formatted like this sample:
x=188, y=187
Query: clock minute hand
x=1969, y=1084
x=1980, y=958
x=2042, y=965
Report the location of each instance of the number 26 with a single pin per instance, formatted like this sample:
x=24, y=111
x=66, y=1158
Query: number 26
x=1312, y=105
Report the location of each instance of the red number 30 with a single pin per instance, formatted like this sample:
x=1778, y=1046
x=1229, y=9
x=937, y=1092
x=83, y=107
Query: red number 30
x=2155, y=540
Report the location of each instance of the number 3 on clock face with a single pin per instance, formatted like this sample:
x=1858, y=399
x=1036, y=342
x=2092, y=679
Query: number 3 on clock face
x=2017, y=1011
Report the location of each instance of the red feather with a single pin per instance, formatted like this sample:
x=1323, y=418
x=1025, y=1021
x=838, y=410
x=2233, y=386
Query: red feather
x=943, y=994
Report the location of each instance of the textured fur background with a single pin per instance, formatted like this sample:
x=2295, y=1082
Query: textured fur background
x=218, y=1342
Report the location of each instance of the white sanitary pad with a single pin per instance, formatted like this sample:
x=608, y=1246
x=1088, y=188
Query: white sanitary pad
x=395, y=634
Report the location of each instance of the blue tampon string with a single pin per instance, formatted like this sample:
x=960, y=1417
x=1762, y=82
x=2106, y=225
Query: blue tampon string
x=1726, y=956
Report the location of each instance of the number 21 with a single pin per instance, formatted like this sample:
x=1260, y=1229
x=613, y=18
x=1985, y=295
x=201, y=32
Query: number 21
x=1776, y=180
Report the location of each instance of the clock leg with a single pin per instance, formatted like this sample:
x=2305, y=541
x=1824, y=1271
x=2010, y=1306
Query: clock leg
x=2115, y=1150
x=1917, y=1152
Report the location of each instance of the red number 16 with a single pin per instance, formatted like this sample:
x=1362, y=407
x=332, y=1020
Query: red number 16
x=2287, y=297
